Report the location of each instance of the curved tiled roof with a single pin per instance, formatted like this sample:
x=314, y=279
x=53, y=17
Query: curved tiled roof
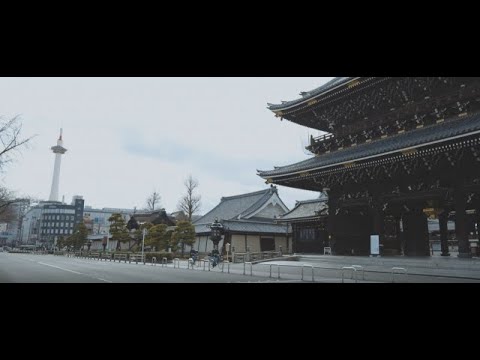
x=305, y=209
x=233, y=206
x=310, y=94
x=246, y=226
x=414, y=138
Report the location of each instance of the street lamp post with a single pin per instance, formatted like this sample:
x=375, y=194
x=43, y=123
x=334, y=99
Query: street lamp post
x=143, y=241
x=227, y=246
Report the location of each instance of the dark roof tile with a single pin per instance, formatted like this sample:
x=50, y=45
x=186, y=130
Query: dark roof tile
x=414, y=138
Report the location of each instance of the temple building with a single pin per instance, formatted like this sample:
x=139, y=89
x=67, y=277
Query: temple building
x=395, y=152
x=307, y=221
x=249, y=223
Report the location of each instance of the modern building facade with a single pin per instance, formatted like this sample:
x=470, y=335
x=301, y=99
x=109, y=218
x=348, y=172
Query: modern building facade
x=47, y=221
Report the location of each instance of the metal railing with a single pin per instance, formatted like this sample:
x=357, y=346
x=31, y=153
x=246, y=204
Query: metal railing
x=251, y=266
x=309, y=266
x=206, y=261
x=360, y=267
x=278, y=270
x=399, y=270
x=120, y=257
x=349, y=268
x=228, y=266
x=135, y=257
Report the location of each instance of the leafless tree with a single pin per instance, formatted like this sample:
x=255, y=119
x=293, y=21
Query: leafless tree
x=10, y=142
x=190, y=203
x=10, y=138
x=153, y=201
x=6, y=199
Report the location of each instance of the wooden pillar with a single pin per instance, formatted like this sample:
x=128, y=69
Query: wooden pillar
x=415, y=232
x=294, y=239
x=398, y=235
x=332, y=209
x=287, y=236
x=443, y=224
x=460, y=201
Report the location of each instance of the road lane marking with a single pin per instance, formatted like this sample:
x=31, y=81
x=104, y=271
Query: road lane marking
x=58, y=267
x=75, y=272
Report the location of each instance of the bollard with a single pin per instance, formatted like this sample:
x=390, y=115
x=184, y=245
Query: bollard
x=398, y=269
x=278, y=267
x=251, y=266
x=359, y=267
x=206, y=261
x=154, y=260
x=308, y=265
x=228, y=266
x=349, y=268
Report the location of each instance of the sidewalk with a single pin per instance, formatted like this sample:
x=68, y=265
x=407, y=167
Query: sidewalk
x=449, y=266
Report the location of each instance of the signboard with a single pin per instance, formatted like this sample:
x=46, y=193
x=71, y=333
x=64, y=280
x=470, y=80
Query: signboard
x=374, y=245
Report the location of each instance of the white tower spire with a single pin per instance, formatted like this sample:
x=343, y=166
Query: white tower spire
x=58, y=150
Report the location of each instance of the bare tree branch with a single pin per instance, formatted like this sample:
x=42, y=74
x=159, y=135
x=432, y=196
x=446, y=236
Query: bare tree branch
x=190, y=203
x=10, y=138
x=153, y=201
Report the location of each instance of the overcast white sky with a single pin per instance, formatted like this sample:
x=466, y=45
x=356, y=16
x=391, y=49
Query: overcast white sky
x=127, y=137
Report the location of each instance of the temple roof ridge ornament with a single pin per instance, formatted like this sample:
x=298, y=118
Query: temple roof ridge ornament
x=331, y=85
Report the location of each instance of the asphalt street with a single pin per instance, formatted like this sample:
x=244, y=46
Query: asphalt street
x=30, y=268
x=33, y=268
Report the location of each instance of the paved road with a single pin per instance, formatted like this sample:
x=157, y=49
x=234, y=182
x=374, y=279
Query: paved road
x=30, y=268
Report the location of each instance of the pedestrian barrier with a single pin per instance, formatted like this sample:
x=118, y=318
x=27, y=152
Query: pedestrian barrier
x=251, y=266
x=164, y=261
x=398, y=270
x=106, y=257
x=120, y=257
x=190, y=263
x=154, y=260
x=278, y=269
x=327, y=250
x=176, y=261
x=206, y=261
x=309, y=266
x=360, y=267
x=135, y=258
x=228, y=266
x=349, y=268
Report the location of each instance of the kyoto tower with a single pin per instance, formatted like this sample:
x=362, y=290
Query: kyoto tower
x=58, y=150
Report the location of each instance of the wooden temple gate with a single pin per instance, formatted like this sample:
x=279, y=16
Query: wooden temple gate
x=397, y=151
